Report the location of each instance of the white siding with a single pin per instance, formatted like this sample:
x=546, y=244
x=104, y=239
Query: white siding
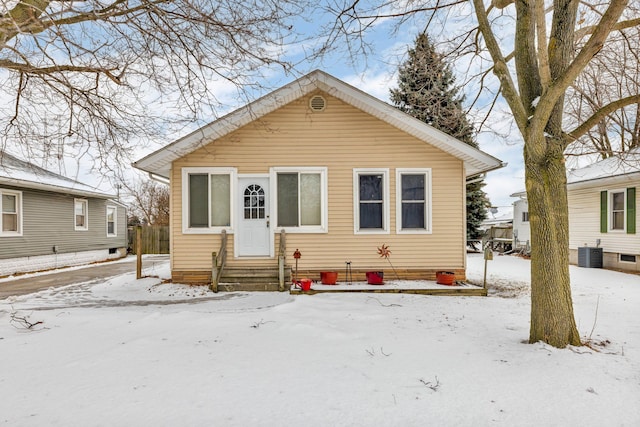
x=520, y=227
x=584, y=221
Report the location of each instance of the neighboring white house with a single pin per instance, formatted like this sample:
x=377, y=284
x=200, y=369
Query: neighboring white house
x=602, y=210
x=521, y=229
x=498, y=227
x=602, y=200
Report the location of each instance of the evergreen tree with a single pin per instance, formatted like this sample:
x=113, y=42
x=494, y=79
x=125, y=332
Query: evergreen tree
x=427, y=91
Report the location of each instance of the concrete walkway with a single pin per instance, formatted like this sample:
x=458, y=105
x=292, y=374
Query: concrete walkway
x=27, y=285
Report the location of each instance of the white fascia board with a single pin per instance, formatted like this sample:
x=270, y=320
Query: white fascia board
x=605, y=181
x=159, y=162
x=475, y=161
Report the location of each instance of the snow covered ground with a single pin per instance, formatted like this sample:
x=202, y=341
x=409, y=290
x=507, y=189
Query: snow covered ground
x=139, y=353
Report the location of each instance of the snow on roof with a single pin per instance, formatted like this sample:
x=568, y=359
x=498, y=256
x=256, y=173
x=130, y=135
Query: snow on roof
x=502, y=216
x=19, y=173
x=624, y=164
x=475, y=161
x=612, y=168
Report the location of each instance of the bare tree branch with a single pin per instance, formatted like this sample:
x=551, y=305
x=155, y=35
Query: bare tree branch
x=585, y=31
x=30, y=69
x=559, y=86
x=500, y=68
x=600, y=114
x=543, y=54
x=101, y=77
x=149, y=201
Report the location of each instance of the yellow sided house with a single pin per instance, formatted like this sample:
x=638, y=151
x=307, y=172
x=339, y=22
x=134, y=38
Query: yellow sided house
x=324, y=169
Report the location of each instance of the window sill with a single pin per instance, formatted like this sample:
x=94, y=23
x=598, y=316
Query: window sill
x=206, y=230
x=302, y=230
x=10, y=234
x=364, y=232
x=410, y=231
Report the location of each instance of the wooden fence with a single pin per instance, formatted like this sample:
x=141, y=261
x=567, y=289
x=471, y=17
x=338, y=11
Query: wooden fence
x=155, y=239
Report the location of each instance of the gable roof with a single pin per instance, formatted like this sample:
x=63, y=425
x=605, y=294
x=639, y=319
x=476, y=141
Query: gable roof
x=475, y=161
x=613, y=169
x=18, y=173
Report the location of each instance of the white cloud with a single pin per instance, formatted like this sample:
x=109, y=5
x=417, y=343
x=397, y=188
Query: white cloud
x=376, y=83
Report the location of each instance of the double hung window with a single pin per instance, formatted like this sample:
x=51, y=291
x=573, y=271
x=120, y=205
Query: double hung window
x=301, y=195
x=11, y=208
x=81, y=215
x=112, y=217
x=371, y=204
x=207, y=199
x=618, y=210
x=413, y=200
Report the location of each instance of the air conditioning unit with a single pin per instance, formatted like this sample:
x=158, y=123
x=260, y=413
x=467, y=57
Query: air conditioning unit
x=590, y=257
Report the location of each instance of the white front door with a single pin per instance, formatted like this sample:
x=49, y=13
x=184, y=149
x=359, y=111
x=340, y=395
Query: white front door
x=254, y=232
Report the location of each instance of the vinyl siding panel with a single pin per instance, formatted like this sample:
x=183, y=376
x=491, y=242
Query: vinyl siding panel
x=48, y=220
x=341, y=138
x=522, y=228
x=584, y=222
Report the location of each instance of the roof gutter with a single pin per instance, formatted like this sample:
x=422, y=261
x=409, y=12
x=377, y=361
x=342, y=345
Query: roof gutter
x=604, y=179
x=482, y=175
x=159, y=178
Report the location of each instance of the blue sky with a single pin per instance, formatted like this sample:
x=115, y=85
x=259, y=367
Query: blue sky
x=374, y=72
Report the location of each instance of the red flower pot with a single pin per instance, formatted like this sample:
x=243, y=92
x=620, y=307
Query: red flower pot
x=328, y=277
x=375, y=277
x=445, y=278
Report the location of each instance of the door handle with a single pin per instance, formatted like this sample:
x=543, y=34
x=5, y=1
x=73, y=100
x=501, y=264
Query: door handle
x=268, y=223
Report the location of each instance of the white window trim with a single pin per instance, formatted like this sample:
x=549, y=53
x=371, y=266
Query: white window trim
x=85, y=202
x=610, y=211
x=385, y=200
x=233, y=173
x=115, y=221
x=427, y=210
x=324, y=199
x=18, y=195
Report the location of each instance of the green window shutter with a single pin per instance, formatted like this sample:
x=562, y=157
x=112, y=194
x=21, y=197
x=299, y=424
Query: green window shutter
x=603, y=211
x=631, y=210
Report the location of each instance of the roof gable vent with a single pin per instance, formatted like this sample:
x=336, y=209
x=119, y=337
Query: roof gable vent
x=317, y=103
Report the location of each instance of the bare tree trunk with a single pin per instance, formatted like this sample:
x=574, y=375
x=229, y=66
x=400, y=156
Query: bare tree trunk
x=552, y=319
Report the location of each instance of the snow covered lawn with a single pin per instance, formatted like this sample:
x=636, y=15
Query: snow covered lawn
x=137, y=353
